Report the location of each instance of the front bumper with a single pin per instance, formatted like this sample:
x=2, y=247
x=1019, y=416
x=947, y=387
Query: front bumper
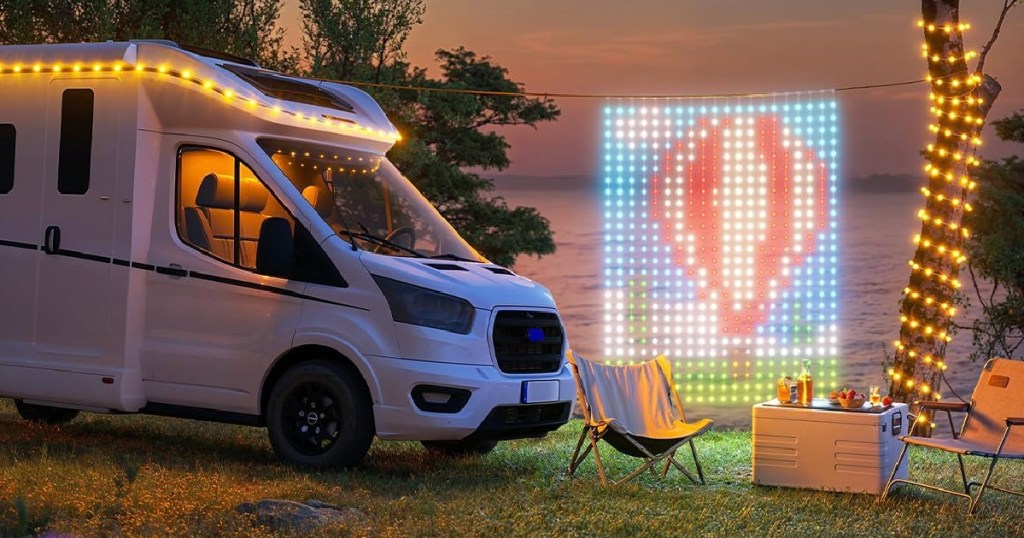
x=495, y=408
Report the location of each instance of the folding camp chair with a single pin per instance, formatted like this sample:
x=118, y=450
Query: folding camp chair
x=996, y=406
x=636, y=410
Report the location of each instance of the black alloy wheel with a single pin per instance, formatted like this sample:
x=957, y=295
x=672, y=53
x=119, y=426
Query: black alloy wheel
x=312, y=418
x=320, y=415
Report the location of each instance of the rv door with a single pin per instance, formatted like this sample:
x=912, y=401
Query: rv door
x=77, y=292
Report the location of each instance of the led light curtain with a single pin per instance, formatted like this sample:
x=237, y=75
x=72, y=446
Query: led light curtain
x=720, y=240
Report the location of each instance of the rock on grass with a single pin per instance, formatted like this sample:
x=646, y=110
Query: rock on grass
x=283, y=514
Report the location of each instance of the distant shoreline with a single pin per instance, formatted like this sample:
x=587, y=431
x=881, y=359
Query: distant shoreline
x=876, y=183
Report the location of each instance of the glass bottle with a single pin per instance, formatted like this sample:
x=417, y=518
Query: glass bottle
x=805, y=384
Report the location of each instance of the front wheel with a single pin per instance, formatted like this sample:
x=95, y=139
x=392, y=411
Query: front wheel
x=45, y=413
x=319, y=415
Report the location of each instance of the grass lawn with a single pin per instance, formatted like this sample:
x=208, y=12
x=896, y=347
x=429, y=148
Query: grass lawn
x=146, y=476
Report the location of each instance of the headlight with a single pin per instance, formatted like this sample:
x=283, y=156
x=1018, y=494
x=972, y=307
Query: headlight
x=428, y=308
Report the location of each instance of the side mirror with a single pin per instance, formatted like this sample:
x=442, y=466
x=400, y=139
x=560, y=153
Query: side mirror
x=275, y=251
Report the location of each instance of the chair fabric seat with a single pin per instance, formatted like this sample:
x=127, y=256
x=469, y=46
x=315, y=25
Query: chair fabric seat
x=679, y=430
x=655, y=445
x=634, y=408
x=961, y=446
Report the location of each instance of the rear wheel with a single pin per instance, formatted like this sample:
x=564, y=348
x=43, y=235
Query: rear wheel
x=45, y=413
x=461, y=448
x=319, y=415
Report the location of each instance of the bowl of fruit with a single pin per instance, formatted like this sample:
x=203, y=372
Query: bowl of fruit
x=851, y=399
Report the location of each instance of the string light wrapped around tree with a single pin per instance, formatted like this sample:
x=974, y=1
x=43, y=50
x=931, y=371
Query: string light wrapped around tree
x=960, y=101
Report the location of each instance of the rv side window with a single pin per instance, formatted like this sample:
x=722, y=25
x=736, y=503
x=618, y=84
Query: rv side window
x=222, y=207
x=75, y=158
x=8, y=136
x=225, y=211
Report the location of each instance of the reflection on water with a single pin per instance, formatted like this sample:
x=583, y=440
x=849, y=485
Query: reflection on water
x=875, y=246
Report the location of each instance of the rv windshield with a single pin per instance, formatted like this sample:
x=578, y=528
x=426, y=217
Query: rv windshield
x=365, y=199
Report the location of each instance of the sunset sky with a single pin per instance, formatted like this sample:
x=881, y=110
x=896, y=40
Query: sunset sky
x=722, y=46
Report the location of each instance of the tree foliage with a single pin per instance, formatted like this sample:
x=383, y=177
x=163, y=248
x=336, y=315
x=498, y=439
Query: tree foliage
x=244, y=28
x=996, y=250
x=447, y=132
x=357, y=39
x=447, y=137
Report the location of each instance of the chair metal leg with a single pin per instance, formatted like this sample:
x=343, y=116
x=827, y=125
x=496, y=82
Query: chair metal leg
x=963, y=474
x=648, y=464
x=684, y=470
x=696, y=461
x=668, y=464
x=973, y=507
x=892, y=476
x=574, y=462
x=597, y=458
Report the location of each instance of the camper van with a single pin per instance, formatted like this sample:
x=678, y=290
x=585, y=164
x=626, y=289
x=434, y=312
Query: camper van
x=183, y=233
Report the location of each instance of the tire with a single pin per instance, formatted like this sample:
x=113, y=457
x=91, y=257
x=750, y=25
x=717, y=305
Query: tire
x=44, y=413
x=319, y=416
x=461, y=448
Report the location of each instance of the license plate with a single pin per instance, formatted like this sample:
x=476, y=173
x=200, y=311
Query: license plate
x=539, y=392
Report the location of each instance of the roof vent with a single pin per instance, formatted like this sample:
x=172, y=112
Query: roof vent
x=286, y=88
x=446, y=266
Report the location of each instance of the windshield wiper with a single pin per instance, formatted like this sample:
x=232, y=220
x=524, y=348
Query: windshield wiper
x=366, y=235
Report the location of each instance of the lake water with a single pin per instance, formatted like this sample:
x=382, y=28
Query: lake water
x=876, y=230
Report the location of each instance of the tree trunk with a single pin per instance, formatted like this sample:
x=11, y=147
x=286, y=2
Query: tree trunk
x=960, y=102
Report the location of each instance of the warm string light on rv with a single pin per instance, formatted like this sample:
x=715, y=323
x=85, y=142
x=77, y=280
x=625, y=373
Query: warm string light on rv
x=229, y=94
x=956, y=104
x=373, y=165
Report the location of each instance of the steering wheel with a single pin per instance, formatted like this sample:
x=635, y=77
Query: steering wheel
x=403, y=236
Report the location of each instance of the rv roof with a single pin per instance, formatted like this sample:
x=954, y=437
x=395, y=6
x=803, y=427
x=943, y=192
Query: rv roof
x=315, y=104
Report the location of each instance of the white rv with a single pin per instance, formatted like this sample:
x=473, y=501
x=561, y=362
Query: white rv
x=183, y=233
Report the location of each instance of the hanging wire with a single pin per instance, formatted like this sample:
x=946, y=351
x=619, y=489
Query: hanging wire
x=563, y=95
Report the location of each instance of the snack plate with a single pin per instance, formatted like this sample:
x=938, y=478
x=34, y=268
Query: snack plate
x=865, y=408
x=827, y=405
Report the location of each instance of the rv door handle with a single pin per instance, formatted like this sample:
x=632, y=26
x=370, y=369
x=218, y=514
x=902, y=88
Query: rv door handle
x=176, y=271
x=51, y=240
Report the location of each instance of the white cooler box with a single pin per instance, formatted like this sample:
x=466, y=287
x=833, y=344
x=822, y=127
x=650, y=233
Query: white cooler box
x=824, y=447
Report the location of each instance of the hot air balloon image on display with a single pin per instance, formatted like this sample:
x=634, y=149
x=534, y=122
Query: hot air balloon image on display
x=721, y=239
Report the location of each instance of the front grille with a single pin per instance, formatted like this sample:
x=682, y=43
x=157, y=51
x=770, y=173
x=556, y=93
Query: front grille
x=523, y=421
x=507, y=416
x=528, y=342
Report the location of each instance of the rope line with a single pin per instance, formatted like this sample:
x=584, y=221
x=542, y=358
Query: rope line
x=562, y=95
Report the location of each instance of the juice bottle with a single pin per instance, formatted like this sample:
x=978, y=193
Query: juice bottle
x=783, y=389
x=805, y=385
